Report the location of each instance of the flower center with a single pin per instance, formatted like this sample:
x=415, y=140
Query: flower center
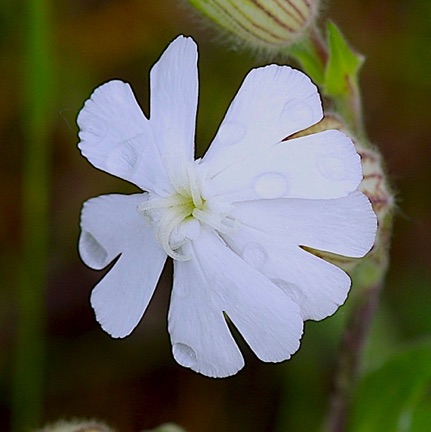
x=178, y=218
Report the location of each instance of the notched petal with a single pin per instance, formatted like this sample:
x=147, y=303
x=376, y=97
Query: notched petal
x=174, y=97
x=116, y=137
x=272, y=103
x=202, y=297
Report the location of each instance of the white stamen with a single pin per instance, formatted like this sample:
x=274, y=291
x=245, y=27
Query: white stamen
x=194, y=187
x=170, y=220
x=211, y=219
x=177, y=217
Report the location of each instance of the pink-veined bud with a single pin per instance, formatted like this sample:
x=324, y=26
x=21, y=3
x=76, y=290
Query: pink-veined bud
x=376, y=187
x=268, y=24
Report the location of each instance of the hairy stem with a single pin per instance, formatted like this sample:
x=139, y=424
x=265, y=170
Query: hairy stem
x=368, y=277
x=349, y=359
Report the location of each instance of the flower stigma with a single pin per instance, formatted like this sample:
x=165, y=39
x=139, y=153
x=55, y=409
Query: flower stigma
x=179, y=217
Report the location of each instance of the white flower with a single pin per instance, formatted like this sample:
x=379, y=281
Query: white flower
x=234, y=221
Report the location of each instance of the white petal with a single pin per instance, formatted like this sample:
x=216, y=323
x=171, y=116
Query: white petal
x=112, y=226
x=320, y=166
x=117, y=138
x=315, y=285
x=344, y=226
x=318, y=287
x=216, y=280
x=200, y=337
x=174, y=98
x=272, y=103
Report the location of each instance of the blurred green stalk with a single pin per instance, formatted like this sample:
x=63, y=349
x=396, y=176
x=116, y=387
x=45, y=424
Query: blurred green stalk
x=28, y=378
x=335, y=68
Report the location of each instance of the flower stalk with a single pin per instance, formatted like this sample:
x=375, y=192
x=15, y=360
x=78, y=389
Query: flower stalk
x=335, y=67
x=341, y=88
x=311, y=53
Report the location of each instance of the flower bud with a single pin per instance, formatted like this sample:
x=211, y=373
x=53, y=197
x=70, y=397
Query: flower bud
x=267, y=24
x=375, y=186
x=374, y=183
x=76, y=426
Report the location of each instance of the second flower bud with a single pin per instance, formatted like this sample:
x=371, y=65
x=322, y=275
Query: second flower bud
x=267, y=24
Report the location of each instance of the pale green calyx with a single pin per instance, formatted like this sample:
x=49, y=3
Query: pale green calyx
x=266, y=24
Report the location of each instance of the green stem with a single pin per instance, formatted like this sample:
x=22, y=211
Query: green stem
x=368, y=279
x=28, y=378
x=337, y=75
x=349, y=358
x=349, y=107
x=312, y=54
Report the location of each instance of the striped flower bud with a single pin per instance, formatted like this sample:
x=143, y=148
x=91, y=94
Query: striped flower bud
x=267, y=24
x=374, y=183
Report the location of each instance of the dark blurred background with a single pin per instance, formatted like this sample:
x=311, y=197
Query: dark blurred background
x=135, y=384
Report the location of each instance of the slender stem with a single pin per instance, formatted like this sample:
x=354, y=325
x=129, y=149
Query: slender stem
x=349, y=359
x=313, y=56
x=349, y=106
x=27, y=385
x=370, y=282
x=319, y=44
